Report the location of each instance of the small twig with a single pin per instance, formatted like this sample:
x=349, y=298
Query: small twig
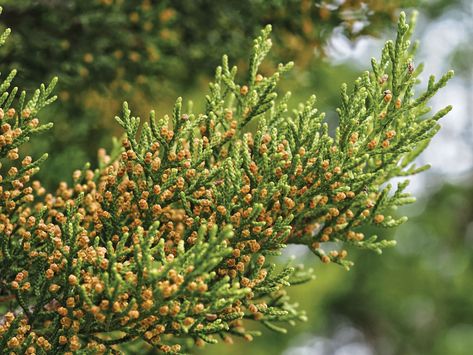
x=7, y=298
x=124, y=339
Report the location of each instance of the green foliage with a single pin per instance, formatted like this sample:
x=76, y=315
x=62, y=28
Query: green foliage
x=169, y=242
x=94, y=43
x=154, y=50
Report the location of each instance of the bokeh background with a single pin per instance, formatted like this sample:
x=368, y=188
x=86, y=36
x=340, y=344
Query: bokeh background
x=415, y=299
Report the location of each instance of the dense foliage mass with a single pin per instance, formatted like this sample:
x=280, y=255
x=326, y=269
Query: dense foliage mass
x=170, y=241
x=152, y=51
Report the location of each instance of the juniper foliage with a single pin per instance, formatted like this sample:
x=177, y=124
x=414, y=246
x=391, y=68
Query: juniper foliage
x=170, y=241
x=105, y=49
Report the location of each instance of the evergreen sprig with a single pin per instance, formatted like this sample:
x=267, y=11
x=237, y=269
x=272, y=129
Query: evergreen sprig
x=170, y=241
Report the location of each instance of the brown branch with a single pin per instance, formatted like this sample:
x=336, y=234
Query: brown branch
x=7, y=298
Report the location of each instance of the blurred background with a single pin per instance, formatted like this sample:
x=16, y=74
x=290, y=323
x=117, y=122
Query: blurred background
x=416, y=298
